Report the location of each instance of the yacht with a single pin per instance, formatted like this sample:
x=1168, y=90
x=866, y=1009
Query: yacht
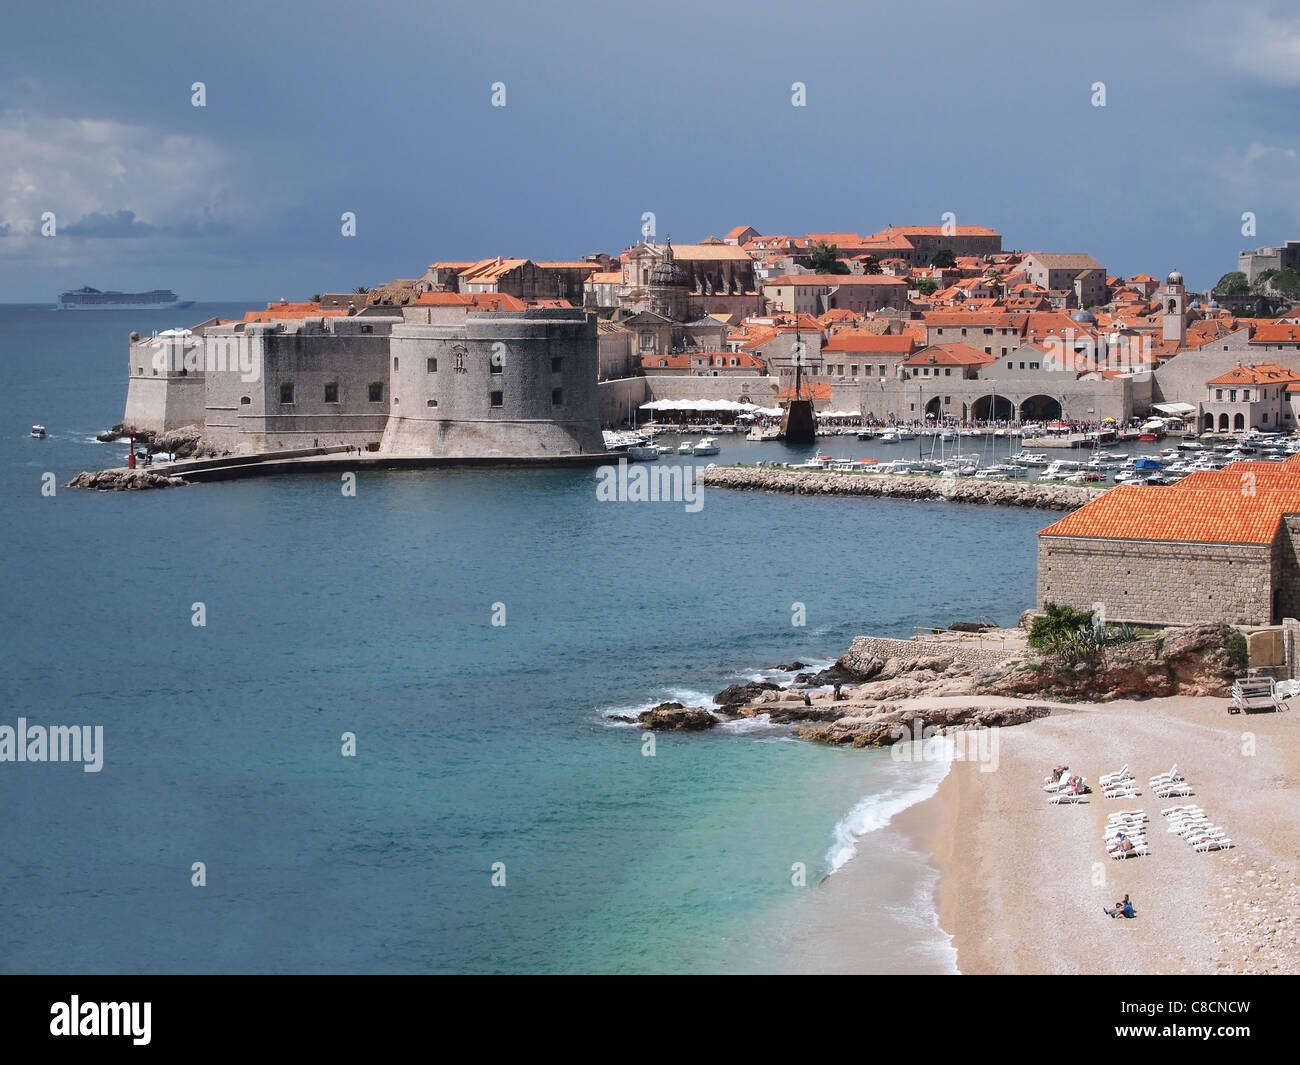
x=38, y=432
x=1060, y=470
x=643, y=453
x=707, y=446
x=1031, y=458
x=685, y=448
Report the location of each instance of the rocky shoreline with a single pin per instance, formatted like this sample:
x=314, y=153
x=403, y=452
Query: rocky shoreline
x=1033, y=494
x=885, y=700
x=118, y=480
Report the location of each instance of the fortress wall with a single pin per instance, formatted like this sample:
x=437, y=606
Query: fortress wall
x=521, y=384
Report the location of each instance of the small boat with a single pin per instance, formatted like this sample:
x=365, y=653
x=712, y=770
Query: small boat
x=707, y=446
x=38, y=432
x=643, y=453
x=685, y=448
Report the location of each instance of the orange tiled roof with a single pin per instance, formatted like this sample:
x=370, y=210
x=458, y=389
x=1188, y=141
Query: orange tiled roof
x=847, y=341
x=1262, y=374
x=1208, y=507
x=950, y=355
x=1276, y=333
x=477, y=301
x=285, y=311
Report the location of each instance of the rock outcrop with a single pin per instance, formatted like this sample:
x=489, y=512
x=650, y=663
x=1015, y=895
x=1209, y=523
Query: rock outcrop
x=124, y=480
x=184, y=442
x=1050, y=496
x=1177, y=661
x=889, y=724
x=738, y=694
x=668, y=717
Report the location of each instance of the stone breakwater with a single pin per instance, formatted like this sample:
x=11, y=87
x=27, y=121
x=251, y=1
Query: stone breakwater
x=953, y=489
x=118, y=480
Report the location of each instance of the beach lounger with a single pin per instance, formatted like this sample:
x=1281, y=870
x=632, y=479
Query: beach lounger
x=1190, y=807
x=1171, y=790
x=1059, y=784
x=1117, y=777
x=1221, y=844
x=1129, y=792
x=1129, y=813
x=1139, y=850
x=1061, y=798
x=1250, y=694
x=1166, y=778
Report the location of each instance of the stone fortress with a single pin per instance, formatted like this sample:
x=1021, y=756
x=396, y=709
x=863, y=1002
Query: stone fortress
x=477, y=377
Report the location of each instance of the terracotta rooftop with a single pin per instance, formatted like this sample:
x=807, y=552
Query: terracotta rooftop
x=847, y=341
x=1276, y=333
x=1214, y=507
x=950, y=355
x=1261, y=374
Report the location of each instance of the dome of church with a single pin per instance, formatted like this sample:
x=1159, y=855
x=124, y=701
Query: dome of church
x=1085, y=316
x=1174, y=278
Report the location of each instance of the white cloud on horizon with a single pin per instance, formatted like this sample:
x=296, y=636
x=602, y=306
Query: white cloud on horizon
x=106, y=179
x=1257, y=38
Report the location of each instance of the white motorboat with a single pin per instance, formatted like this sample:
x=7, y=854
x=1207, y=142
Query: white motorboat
x=1060, y=470
x=707, y=446
x=643, y=453
x=38, y=432
x=1031, y=458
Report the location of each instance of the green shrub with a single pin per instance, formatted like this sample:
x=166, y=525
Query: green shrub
x=1238, y=651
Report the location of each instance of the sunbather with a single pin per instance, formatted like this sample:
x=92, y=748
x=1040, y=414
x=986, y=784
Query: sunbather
x=1123, y=908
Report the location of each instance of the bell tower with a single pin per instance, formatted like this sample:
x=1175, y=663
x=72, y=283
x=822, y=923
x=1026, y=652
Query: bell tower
x=1174, y=306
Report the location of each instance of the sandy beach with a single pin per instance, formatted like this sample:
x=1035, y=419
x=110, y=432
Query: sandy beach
x=1023, y=883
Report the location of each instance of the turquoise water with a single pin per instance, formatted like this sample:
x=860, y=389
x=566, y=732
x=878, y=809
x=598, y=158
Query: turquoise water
x=476, y=744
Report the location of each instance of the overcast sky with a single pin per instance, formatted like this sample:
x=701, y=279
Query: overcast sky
x=611, y=110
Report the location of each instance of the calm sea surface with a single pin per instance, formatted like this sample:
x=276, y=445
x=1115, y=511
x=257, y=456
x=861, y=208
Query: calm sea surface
x=475, y=744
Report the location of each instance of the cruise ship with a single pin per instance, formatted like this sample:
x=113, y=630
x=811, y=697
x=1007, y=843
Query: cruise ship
x=92, y=299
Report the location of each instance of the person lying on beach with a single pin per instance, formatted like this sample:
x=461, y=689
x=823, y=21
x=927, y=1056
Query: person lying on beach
x=1122, y=844
x=1123, y=908
x=1057, y=773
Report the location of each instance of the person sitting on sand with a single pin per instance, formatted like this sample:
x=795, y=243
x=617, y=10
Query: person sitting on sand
x=1122, y=844
x=1123, y=908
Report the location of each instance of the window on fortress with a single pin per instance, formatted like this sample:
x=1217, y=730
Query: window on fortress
x=376, y=392
x=286, y=392
x=853, y=369
x=243, y=400
x=394, y=362
x=430, y=402
x=557, y=397
x=1033, y=366
x=495, y=399
x=947, y=371
x=331, y=393
x=432, y=365
x=555, y=364
x=496, y=365
x=1218, y=393
x=1009, y=366
x=947, y=399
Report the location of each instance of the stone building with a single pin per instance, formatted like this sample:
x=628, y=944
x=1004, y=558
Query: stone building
x=452, y=375
x=1250, y=397
x=715, y=278
x=1218, y=546
x=1276, y=257
x=1074, y=272
x=818, y=293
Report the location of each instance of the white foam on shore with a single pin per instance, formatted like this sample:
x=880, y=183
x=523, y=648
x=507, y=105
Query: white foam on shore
x=744, y=725
x=873, y=812
x=685, y=696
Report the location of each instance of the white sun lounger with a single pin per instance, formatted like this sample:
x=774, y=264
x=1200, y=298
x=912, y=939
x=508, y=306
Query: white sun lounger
x=1117, y=777
x=1173, y=775
x=1219, y=844
x=1058, y=784
x=1139, y=850
x=1063, y=797
x=1189, y=807
x=1172, y=790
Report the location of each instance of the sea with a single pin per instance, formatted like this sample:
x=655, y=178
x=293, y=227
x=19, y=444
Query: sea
x=376, y=733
